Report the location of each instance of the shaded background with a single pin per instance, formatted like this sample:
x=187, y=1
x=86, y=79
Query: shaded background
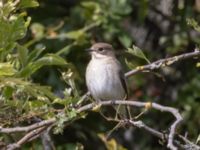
x=159, y=27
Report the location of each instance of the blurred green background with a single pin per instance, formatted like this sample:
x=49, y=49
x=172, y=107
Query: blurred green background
x=48, y=50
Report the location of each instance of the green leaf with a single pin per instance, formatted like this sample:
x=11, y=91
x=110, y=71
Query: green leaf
x=116, y=5
x=72, y=113
x=74, y=34
x=125, y=40
x=49, y=59
x=61, y=118
x=18, y=28
x=23, y=54
x=10, y=31
x=193, y=23
x=130, y=64
x=37, y=30
x=60, y=101
x=137, y=52
x=45, y=90
x=8, y=91
x=28, y=3
x=36, y=104
x=90, y=5
x=6, y=69
x=65, y=50
x=33, y=55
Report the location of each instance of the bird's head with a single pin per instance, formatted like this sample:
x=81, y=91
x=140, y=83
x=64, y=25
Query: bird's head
x=101, y=50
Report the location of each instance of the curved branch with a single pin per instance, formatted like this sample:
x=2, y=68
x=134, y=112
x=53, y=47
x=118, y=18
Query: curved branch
x=26, y=138
x=161, y=108
x=163, y=62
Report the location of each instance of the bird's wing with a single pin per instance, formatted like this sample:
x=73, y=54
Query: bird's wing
x=125, y=110
x=123, y=81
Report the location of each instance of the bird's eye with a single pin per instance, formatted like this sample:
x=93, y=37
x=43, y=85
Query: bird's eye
x=100, y=49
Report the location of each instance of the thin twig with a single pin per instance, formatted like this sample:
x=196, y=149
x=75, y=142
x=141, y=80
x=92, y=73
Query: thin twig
x=26, y=138
x=27, y=128
x=47, y=142
x=189, y=145
x=141, y=124
x=163, y=62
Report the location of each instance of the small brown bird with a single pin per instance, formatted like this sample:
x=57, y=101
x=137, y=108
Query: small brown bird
x=104, y=76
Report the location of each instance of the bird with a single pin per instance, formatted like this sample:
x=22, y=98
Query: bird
x=105, y=78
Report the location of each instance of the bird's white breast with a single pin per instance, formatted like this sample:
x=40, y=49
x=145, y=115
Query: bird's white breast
x=103, y=80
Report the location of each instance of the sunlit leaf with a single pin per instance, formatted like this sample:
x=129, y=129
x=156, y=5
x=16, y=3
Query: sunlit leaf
x=61, y=118
x=137, y=52
x=45, y=90
x=73, y=34
x=28, y=3
x=35, y=104
x=23, y=54
x=8, y=91
x=193, y=23
x=130, y=64
x=51, y=59
x=34, y=54
x=37, y=30
x=7, y=8
x=47, y=60
x=6, y=69
x=111, y=144
x=60, y=101
x=18, y=28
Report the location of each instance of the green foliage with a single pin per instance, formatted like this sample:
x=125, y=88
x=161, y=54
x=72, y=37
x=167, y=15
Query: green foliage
x=136, y=51
x=18, y=63
x=42, y=65
x=49, y=59
x=193, y=23
x=28, y=3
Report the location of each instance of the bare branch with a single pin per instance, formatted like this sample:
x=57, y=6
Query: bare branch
x=189, y=145
x=141, y=124
x=27, y=128
x=161, y=108
x=163, y=62
x=47, y=141
x=26, y=138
